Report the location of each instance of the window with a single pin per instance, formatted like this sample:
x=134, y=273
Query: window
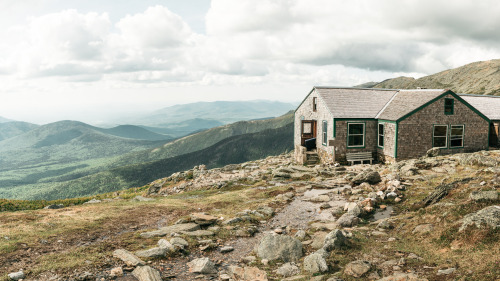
x=448, y=106
x=457, y=136
x=440, y=136
x=355, y=134
x=306, y=128
x=381, y=134
x=314, y=104
x=325, y=129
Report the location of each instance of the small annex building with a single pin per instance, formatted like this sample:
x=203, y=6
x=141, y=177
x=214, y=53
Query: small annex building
x=489, y=106
x=387, y=124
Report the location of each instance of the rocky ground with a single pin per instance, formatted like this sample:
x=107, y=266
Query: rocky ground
x=434, y=218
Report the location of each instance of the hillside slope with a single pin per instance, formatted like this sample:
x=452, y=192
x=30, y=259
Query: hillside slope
x=480, y=78
x=14, y=128
x=235, y=149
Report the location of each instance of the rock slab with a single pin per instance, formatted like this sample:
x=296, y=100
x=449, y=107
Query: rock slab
x=202, y=265
x=176, y=228
x=357, y=268
x=146, y=273
x=127, y=257
x=279, y=247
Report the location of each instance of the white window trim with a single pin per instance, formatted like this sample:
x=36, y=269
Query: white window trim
x=383, y=134
x=446, y=135
x=325, y=132
x=348, y=135
x=463, y=135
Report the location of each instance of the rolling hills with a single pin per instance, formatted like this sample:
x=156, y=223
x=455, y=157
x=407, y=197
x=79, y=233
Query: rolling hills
x=480, y=78
x=14, y=128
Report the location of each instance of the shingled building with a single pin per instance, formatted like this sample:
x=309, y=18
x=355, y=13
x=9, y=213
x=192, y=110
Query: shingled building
x=385, y=124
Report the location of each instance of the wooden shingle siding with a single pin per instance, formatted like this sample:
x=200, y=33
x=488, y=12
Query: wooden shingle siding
x=415, y=132
x=340, y=141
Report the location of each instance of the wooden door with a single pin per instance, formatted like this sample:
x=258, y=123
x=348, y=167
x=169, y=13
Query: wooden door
x=308, y=131
x=494, y=134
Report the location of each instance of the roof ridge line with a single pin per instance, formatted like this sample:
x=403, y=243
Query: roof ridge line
x=387, y=104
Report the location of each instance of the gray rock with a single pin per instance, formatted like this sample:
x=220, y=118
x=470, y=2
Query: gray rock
x=279, y=247
x=490, y=195
x=142, y=199
x=369, y=175
x=199, y=233
x=357, y=268
x=288, y=269
x=433, y=152
x=171, y=229
x=489, y=216
x=232, y=221
x=202, y=265
x=266, y=210
x=152, y=253
x=354, y=209
x=164, y=244
x=403, y=277
x=384, y=224
x=476, y=159
x=446, y=271
x=54, y=206
x=316, y=262
x=347, y=220
x=226, y=249
x=320, y=198
x=127, y=257
x=146, y=273
x=16, y=275
x=203, y=219
x=334, y=240
x=179, y=242
x=300, y=234
x=423, y=228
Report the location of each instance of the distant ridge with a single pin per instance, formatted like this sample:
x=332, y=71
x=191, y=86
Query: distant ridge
x=3, y=120
x=480, y=78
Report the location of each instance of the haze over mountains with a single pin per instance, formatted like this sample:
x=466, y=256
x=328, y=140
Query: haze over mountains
x=480, y=78
x=71, y=158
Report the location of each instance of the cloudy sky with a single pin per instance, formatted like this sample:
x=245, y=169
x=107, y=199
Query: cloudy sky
x=89, y=60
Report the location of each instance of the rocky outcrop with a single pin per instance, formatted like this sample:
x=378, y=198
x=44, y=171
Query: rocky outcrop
x=176, y=228
x=279, y=247
x=369, y=175
x=146, y=273
x=357, y=268
x=489, y=217
x=127, y=257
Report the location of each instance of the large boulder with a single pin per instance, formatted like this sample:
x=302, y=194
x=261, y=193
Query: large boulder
x=316, y=262
x=146, y=273
x=357, y=268
x=488, y=195
x=433, y=152
x=176, y=228
x=202, y=265
x=127, y=257
x=203, y=219
x=369, y=175
x=16, y=275
x=334, y=240
x=347, y=220
x=152, y=253
x=489, y=216
x=476, y=159
x=279, y=247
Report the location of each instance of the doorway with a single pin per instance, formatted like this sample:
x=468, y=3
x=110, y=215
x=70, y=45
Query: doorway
x=308, y=131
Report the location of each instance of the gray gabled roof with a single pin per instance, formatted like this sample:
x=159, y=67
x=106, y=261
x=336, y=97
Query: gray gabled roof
x=354, y=102
x=406, y=101
x=488, y=105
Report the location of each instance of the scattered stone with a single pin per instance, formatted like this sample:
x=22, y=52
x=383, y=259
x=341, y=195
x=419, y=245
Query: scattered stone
x=16, y=275
x=334, y=240
x=179, y=242
x=300, y=234
x=116, y=272
x=225, y=277
x=146, y=273
x=54, y=206
x=325, y=206
x=248, y=273
x=318, y=239
x=348, y=220
x=152, y=253
x=202, y=265
x=423, y=228
x=357, y=268
x=176, y=228
x=142, y=199
x=370, y=176
x=316, y=262
x=164, y=244
x=490, y=195
x=384, y=224
x=203, y=218
x=199, y=233
x=446, y=271
x=266, y=210
x=402, y=277
x=489, y=216
x=320, y=198
x=226, y=249
x=288, y=269
x=279, y=247
x=232, y=221
x=127, y=257
x=249, y=259
x=433, y=152
x=93, y=201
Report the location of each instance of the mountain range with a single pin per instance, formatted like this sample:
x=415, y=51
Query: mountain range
x=480, y=78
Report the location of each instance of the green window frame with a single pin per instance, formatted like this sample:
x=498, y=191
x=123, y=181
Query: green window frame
x=325, y=130
x=381, y=133
x=355, y=135
x=440, y=136
x=449, y=106
x=457, y=133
